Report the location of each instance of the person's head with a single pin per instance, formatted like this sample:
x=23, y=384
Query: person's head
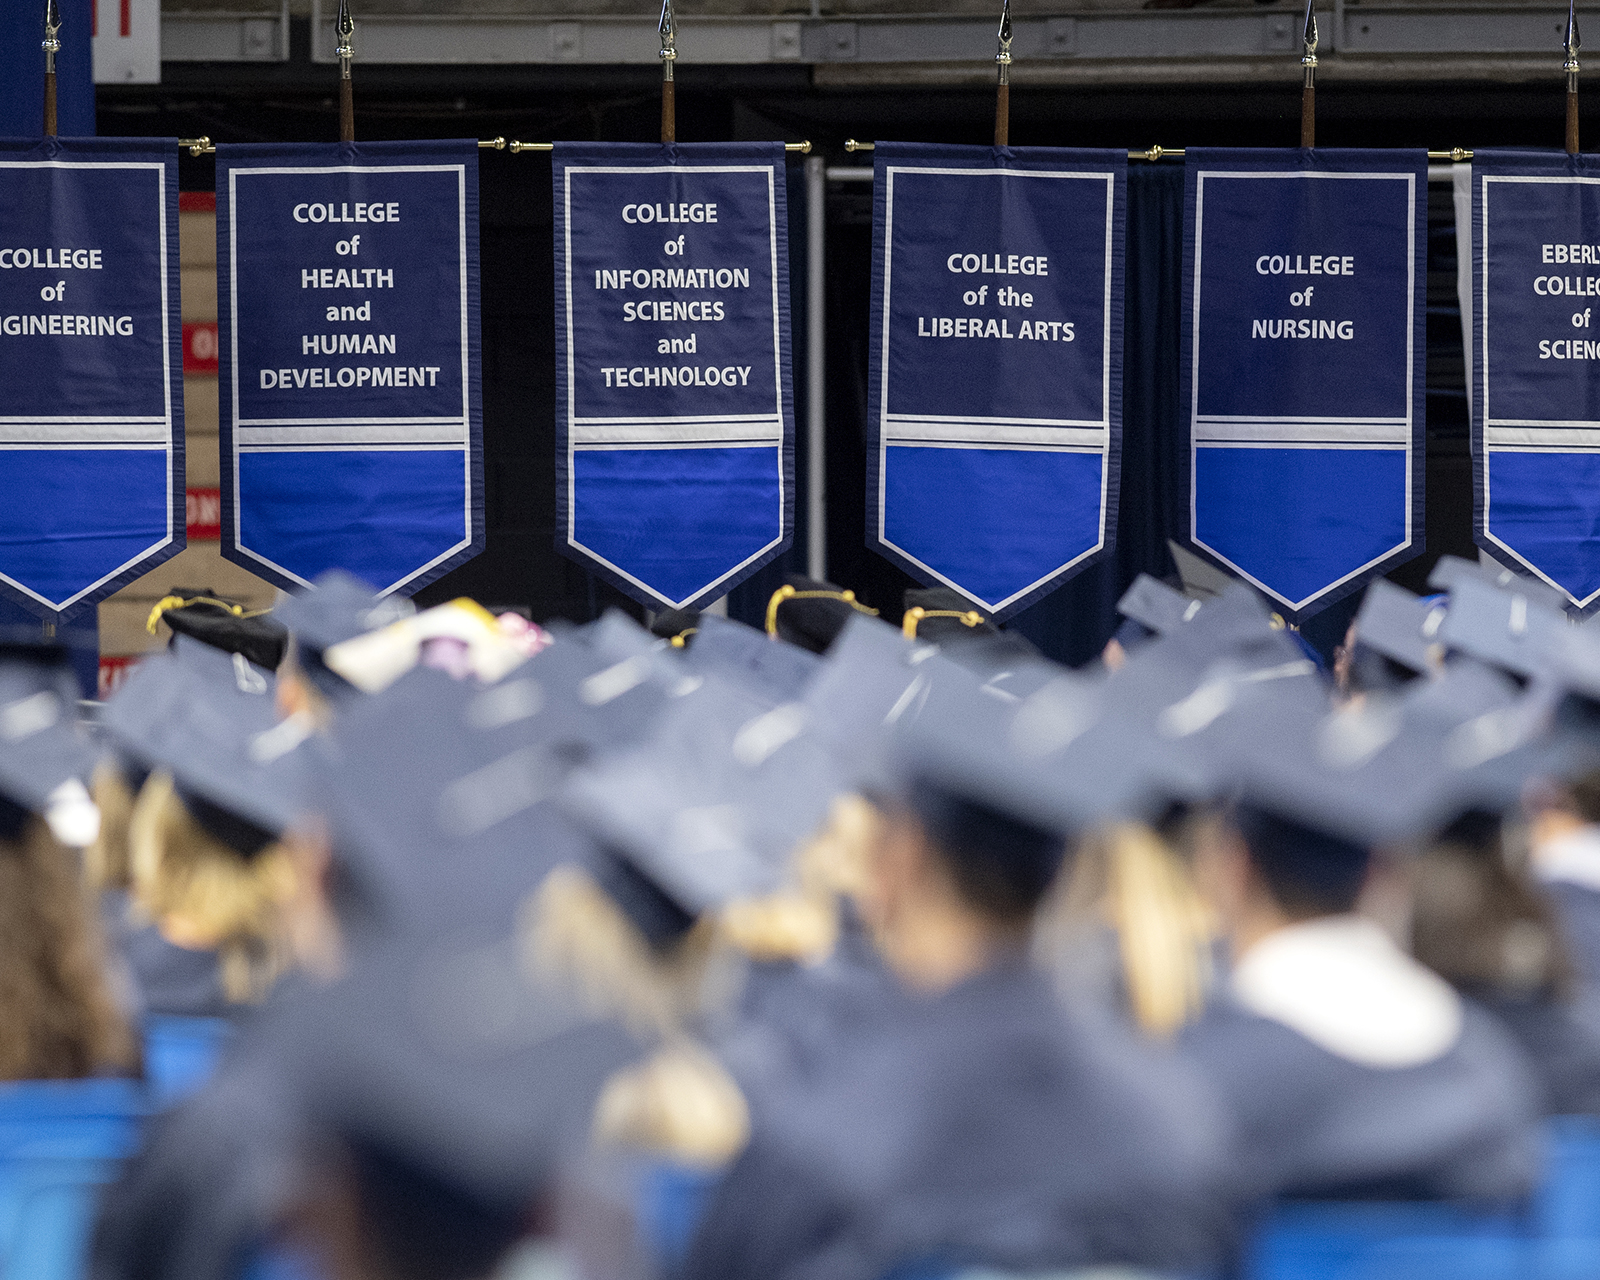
x=952, y=880
x=58, y=1016
x=1261, y=871
x=212, y=880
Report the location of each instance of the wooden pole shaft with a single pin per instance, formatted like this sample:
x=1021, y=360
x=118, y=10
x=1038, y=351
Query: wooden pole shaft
x=1308, y=115
x=669, y=109
x=1572, y=122
x=1002, y=116
x=347, y=111
x=50, y=129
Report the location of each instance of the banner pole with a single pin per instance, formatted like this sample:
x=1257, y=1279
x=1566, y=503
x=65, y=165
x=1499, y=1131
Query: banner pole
x=51, y=46
x=1572, y=44
x=1308, y=93
x=669, y=87
x=816, y=369
x=1002, y=101
x=345, y=28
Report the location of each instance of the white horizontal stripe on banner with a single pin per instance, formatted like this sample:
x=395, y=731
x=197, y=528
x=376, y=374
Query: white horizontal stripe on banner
x=17, y=431
x=452, y=433
x=1309, y=431
x=1544, y=437
x=1298, y=444
x=589, y=432
x=990, y=431
x=676, y=444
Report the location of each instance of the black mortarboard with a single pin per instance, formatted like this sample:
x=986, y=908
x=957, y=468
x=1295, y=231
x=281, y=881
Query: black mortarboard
x=1401, y=627
x=811, y=614
x=738, y=652
x=940, y=613
x=338, y=606
x=223, y=624
x=1452, y=569
x=677, y=625
x=458, y=1084
x=1502, y=626
x=1156, y=606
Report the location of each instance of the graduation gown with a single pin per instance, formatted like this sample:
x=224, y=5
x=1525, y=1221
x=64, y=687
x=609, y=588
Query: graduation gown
x=1569, y=867
x=1351, y=1071
x=166, y=979
x=985, y=1126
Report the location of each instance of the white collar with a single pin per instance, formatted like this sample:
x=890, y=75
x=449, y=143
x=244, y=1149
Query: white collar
x=1571, y=859
x=1343, y=984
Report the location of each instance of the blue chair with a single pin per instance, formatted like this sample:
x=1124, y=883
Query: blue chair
x=60, y=1141
x=1567, y=1206
x=180, y=1055
x=669, y=1202
x=1390, y=1240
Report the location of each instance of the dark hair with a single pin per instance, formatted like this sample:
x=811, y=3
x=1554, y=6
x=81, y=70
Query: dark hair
x=1307, y=872
x=1585, y=793
x=1001, y=865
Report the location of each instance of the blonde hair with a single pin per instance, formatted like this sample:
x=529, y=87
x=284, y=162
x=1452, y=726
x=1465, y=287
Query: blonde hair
x=191, y=883
x=58, y=1018
x=105, y=862
x=574, y=936
x=1128, y=878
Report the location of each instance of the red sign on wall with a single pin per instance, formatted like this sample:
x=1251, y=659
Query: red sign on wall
x=200, y=348
x=113, y=671
x=205, y=515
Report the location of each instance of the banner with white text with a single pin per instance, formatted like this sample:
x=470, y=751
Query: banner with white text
x=352, y=411
x=1304, y=289
x=674, y=404
x=91, y=387
x=995, y=368
x=1536, y=371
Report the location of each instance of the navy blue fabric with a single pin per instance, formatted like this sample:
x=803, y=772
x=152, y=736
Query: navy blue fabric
x=1536, y=335
x=92, y=369
x=1303, y=385
x=352, y=424
x=22, y=86
x=994, y=400
x=674, y=400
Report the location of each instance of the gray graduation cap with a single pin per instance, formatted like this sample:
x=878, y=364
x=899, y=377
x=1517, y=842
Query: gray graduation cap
x=770, y=667
x=1157, y=606
x=1452, y=569
x=458, y=1082
x=1502, y=626
x=337, y=607
x=1402, y=627
x=1201, y=580
x=41, y=749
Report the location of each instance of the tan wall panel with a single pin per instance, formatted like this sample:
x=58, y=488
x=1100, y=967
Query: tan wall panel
x=199, y=293
x=122, y=628
x=201, y=462
x=197, y=239
x=200, y=405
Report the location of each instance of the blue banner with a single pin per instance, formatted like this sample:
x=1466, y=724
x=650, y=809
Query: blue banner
x=1304, y=288
x=674, y=404
x=1536, y=371
x=995, y=371
x=91, y=387
x=352, y=410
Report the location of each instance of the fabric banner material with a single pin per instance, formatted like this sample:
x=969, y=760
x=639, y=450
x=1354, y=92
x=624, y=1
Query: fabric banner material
x=352, y=427
x=1536, y=375
x=91, y=383
x=674, y=404
x=995, y=369
x=1304, y=289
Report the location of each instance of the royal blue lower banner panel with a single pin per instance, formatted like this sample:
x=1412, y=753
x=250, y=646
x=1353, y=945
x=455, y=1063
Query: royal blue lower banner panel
x=91, y=375
x=674, y=411
x=1304, y=284
x=995, y=370
x=352, y=428
x=1536, y=371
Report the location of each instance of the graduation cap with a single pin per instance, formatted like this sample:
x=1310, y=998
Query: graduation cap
x=456, y=1084
x=1401, y=628
x=940, y=613
x=738, y=652
x=223, y=624
x=43, y=758
x=338, y=606
x=1201, y=580
x=810, y=613
x=1452, y=569
x=680, y=626
x=1156, y=606
x=1502, y=626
